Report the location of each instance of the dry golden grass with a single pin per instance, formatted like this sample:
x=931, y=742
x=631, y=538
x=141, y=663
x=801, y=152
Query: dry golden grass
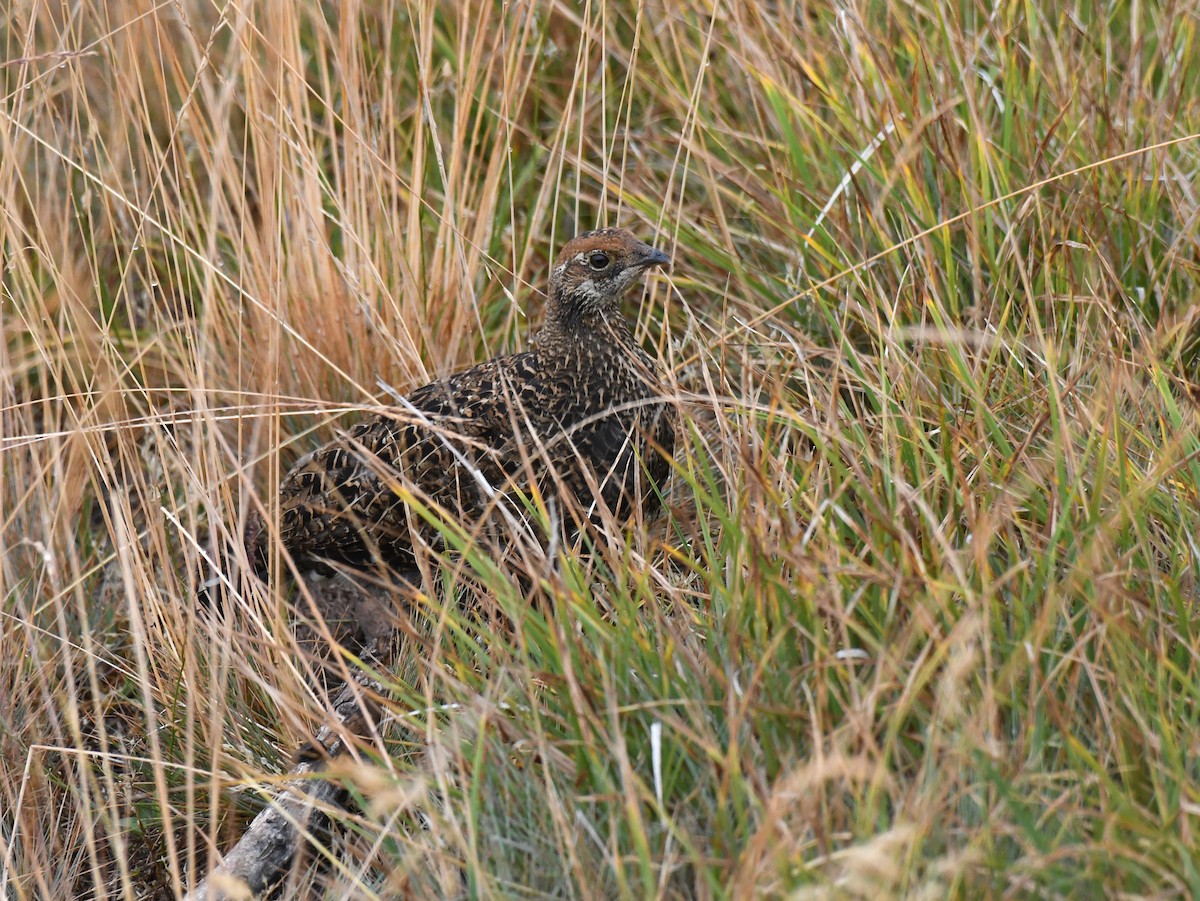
x=922, y=619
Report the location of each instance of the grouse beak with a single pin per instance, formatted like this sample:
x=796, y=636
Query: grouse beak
x=651, y=256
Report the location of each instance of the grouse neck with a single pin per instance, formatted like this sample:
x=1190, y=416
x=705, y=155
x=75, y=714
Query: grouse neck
x=609, y=327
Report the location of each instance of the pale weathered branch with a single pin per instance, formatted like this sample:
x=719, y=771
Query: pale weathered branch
x=265, y=854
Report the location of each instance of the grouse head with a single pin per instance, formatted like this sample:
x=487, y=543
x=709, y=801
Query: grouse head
x=594, y=270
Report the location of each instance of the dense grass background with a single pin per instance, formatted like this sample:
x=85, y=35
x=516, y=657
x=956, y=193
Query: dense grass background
x=921, y=621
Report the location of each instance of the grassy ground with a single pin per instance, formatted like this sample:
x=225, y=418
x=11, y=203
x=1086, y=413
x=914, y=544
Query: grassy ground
x=921, y=621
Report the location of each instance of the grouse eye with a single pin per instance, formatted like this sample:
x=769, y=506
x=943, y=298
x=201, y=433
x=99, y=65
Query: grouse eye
x=598, y=260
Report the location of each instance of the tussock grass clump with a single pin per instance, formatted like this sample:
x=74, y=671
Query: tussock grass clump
x=920, y=620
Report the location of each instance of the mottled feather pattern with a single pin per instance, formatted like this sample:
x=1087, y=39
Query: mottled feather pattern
x=582, y=409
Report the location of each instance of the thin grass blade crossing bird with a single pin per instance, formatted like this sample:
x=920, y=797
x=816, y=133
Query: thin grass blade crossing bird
x=580, y=418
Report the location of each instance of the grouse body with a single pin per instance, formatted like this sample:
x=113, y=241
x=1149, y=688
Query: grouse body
x=578, y=417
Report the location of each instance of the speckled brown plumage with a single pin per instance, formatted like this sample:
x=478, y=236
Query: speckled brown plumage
x=578, y=415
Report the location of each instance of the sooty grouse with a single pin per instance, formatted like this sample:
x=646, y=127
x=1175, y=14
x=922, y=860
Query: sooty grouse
x=579, y=416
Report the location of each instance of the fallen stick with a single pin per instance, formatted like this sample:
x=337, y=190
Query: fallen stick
x=265, y=853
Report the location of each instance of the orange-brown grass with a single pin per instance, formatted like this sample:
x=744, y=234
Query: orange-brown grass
x=920, y=620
